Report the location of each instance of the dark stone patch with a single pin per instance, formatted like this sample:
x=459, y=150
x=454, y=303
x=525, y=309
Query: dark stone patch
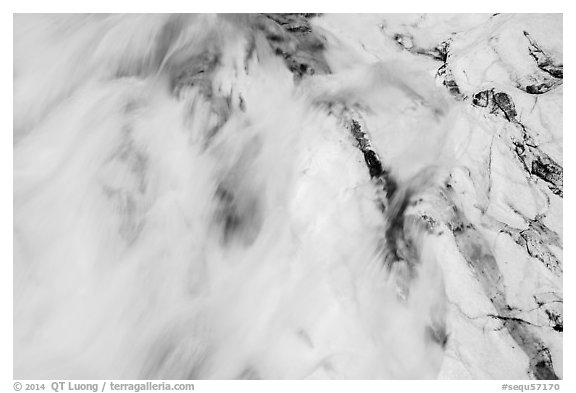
x=539, y=164
x=540, y=88
x=541, y=365
x=444, y=73
x=546, y=169
x=533, y=159
x=556, y=320
x=291, y=37
x=543, y=60
x=497, y=103
x=478, y=255
x=448, y=81
x=551, y=75
x=506, y=104
x=373, y=162
x=406, y=42
x=536, y=240
x=483, y=98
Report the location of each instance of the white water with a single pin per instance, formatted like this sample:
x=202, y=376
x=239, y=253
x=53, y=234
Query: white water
x=123, y=264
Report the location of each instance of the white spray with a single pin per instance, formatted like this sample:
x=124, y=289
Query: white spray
x=228, y=230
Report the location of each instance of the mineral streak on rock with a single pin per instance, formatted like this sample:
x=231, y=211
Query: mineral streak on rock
x=405, y=41
x=539, y=164
x=551, y=74
x=484, y=265
x=392, y=208
x=535, y=161
x=505, y=103
x=445, y=73
x=537, y=240
x=543, y=60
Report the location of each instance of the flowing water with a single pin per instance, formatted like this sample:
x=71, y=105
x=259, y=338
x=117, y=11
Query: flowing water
x=226, y=196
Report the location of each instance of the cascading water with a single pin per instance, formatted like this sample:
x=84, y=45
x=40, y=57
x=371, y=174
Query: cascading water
x=266, y=196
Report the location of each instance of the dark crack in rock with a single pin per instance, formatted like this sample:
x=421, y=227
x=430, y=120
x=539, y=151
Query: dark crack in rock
x=556, y=320
x=540, y=364
x=539, y=164
x=546, y=169
x=447, y=78
x=444, y=73
x=483, y=98
x=406, y=41
x=551, y=75
x=543, y=60
x=505, y=104
x=552, y=306
x=537, y=240
x=496, y=103
x=482, y=262
x=373, y=162
x=370, y=156
x=479, y=257
x=538, y=87
x=393, y=202
x=533, y=159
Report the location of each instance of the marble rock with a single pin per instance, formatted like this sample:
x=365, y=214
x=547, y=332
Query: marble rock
x=288, y=196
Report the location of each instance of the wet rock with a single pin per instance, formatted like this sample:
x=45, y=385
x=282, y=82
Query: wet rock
x=551, y=75
x=448, y=80
x=533, y=159
x=292, y=38
x=499, y=102
x=406, y=42
x=539, y=164
x=444, y=73
x=505, y=103
x=540, y=88
x=556, y=320
x=375, y=167
x=483, y=98
x=536, y=240
x=545, y=168
x=482, y=262
x=541, y=365
x=544, y=60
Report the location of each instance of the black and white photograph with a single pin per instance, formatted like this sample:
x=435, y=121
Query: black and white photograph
x=287, y=196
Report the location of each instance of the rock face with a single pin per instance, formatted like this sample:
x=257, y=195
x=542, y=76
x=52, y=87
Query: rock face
x=467, y=60
x=288, y=196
